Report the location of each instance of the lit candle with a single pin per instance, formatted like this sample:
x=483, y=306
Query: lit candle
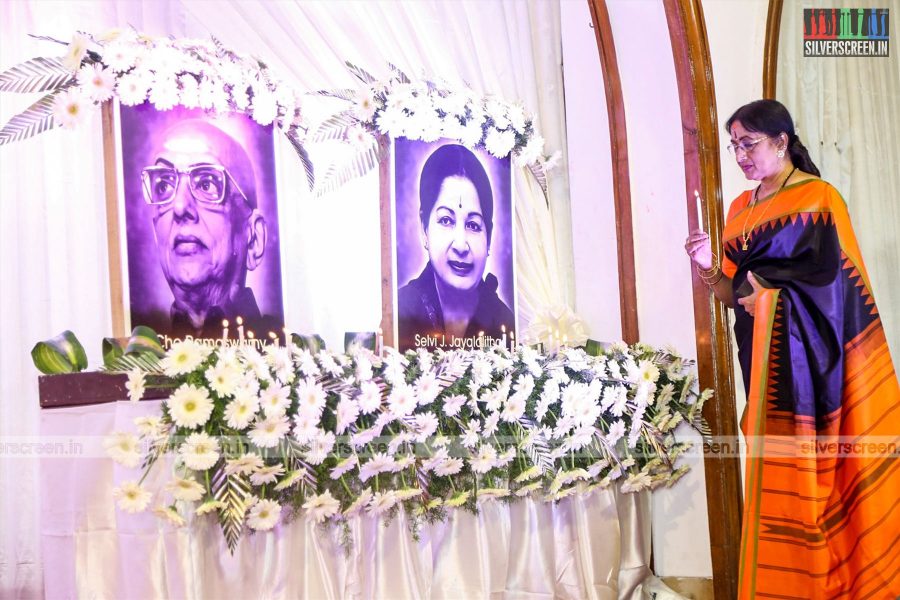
x=224, y=331
x=699, y=210
x=512, y=340
x=240, y=324
x=503, y=337
x=480, y=343
x=556, y=341
x=288, y=341
x=274, y=337
x=250, y=337
x=565, y=341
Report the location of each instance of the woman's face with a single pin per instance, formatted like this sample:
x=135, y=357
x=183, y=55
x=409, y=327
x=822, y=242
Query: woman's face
x=759, y=160
x=456, y=235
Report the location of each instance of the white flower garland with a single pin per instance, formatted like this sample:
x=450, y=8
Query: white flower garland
x=172, y=72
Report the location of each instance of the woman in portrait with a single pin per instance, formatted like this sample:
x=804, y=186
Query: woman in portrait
x=452, y=297
x=821, y=513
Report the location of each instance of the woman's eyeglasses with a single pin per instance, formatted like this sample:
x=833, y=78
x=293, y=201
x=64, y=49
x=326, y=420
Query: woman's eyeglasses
x=206, y=182
x=745, y=146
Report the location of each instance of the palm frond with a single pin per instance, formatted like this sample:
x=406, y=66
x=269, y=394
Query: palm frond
x=540, y=176
x=401, y=76
x=334, y=128
x=145, y=361
x=340, y=173
x=360, y=73
x=35, y=119
x=345, y=94
x=233, y=491
x=308, y=167
x=36, y=75
x=539, y=451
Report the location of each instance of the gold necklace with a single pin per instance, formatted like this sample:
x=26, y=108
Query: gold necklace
x=745, y=233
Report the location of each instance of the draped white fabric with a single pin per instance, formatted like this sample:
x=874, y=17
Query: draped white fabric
x=846, y=112
x=53, y=248
x=571, y=549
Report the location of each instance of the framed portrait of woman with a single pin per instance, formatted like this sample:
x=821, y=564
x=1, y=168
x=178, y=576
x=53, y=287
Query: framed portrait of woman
x=196, y=218
x=453, y=246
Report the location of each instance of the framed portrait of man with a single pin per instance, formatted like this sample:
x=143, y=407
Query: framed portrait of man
x=198, y=223
x=453, y=254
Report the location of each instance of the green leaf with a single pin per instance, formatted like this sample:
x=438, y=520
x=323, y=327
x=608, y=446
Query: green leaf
x=62, y=354
x=235, y=492
x=112, y=350
x=594, y=348
x=35, y=119
x=313, y=343
x=35, y=75
x=144, y=341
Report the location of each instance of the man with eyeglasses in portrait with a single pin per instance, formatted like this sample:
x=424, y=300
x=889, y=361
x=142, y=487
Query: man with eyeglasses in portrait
x=208, y=230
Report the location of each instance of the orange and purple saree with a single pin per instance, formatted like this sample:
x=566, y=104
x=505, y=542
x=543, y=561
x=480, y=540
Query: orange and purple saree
x=822, y=488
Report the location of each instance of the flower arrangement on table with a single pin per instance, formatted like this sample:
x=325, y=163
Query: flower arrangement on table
x=255, y=436
x=136, y=68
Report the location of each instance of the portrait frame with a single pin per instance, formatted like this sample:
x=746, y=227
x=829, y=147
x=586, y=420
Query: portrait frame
x=141, y=290
x=415, y=268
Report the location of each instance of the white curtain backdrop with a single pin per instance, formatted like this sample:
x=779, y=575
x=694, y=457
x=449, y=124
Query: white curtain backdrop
x=847, y=112
x=53, y=246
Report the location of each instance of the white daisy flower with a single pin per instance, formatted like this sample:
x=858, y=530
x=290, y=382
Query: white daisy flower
x=199, y=452
x=451, y=466
x=361, y=501
x=98, y=83
x=209, y=506
x=244, y=465
x=484, y=459
x=241, y=411
x=369, y=398
x=182, y=358
x=189, y=406
x=76, y=51
x=267, y=474
x=319, y=447
x=292, y=478
x=135, y=385
x=123, y=448
x=344, y=466
x=185, y=489
x=222, y=378
x=70, y=108
x=132, y=497
x=453, y=404
x=264, y=515
x=169, y=514
x=458, y=499
x=382, y=502
x=346, y=412
x=268, y=432
x=379, y=463
x=402, y=401
x=311, y=397
x=275, y=399
x=322, y=506
x=119, y=56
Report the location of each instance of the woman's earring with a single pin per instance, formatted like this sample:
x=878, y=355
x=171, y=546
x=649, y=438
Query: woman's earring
x=780, y=154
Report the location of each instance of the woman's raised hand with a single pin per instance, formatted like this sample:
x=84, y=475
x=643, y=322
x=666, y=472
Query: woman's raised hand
x=699, y=249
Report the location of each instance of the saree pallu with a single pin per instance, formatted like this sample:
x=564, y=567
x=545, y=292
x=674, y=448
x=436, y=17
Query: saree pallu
x=822, y=424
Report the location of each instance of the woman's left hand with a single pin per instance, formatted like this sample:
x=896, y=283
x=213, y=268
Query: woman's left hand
x=749, y=302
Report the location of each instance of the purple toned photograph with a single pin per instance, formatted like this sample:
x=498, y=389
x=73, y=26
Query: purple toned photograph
x=454, y=253
x=201, y=221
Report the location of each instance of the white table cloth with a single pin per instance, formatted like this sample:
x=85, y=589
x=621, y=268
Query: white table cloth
x=592, y=547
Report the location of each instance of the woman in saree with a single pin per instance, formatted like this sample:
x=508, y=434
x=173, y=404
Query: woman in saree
x=822, y=423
